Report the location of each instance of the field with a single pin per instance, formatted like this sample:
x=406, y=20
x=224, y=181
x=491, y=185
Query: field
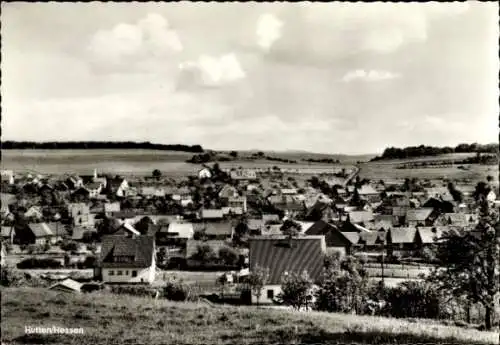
x=113, y=319
x=131, y=162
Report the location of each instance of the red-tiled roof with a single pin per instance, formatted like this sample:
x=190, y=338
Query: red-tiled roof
x=280, y=255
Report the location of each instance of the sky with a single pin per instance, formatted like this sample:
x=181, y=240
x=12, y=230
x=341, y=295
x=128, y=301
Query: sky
x=347, y=78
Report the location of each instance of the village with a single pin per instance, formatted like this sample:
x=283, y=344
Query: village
x=82, y=233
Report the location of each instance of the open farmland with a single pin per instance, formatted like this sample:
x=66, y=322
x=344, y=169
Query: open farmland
x=388, y=170
x=115, y=319
x=134, y=162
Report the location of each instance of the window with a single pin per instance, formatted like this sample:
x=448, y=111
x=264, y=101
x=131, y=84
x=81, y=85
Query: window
x=270, y=294
x=134, y=273
x=126, y=273
x=111, y=273
x=119, y=273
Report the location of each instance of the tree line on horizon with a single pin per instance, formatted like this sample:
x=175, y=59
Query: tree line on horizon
x=92, y=145
x=422, y=150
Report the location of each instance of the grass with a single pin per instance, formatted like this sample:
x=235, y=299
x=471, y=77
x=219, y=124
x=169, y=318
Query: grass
x=114, y=319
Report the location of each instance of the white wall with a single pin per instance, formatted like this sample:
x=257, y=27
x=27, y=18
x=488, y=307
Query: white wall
x=146, y=274
x=263, y=297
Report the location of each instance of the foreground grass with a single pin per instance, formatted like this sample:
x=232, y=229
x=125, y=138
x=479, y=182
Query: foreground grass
x=113, y=319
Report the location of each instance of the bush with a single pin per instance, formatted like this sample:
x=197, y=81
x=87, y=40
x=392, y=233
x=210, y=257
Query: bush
x=69, y=246
x=178, y=291
x=135, y=290
x=39, y=263
x=413, y=299
x=228, y=256
x=89, y=262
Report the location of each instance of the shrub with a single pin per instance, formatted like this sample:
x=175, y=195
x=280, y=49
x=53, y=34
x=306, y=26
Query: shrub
x=413, y=299
x=39, y=263
x=228, y=256
x=69, y=246
x=178, y=291
x=89, y=262
x=135, y=290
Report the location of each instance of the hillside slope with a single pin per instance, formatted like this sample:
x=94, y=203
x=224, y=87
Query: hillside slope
x=113, y=319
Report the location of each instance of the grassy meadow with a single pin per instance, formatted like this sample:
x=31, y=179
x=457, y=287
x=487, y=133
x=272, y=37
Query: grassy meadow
x=114, y=319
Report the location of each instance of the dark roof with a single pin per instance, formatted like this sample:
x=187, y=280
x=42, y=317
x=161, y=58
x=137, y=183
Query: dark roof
x=78, y=232
x=319, y=228
x=280, y=255
x=140, y=248
x=93, y=185
x=333, y=236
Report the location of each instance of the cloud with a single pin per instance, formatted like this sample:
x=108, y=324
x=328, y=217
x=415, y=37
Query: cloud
x=149, y=36
x=210, y=71
x=369, y=76
x=268, y=30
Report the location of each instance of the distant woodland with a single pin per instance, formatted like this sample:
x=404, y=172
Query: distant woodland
x=422, y=150
x=94, y=145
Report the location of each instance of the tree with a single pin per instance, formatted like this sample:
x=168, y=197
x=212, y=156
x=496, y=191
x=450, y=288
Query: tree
x=233, y=154
x=143, y=225
x=291, y=228
x=228, y=256
x=471, y=260
x=157, y=174
x=343, y=287
x=204, y=253
x=455, y=193
x=257, y=279
x=296, y=290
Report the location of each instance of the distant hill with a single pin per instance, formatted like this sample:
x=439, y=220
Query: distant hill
x=96, y=145
x=426, y=151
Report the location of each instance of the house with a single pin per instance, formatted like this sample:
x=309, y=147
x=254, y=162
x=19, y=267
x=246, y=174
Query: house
x=7, y=177
x=117, y=186
x=218, y=231
x=243, y=175
x=255, y=226
x=3, y=255
x=180, y=230
x=372, y=241
x=205, y=173
x=94, y=189
x=421, y=217
x=110, y=208
x=80, y=214
x=7, y=234
x=67, y=285
x=288, y=191
x=227, y=191
x=429, y=235
x=34, y=213
x=457, y=219
x=42, y=233
x=335, y=181
x=74, y=182
x=211, y=214
x=360, y=217
x=283, y=255
x=270, y=218
x=127, y=229
x=369, y=193
x=334, y=239
x=127, y=259
x=81, y=233
x=238, y=202
x=151, y=191
x=401, y=240
x=322, y=211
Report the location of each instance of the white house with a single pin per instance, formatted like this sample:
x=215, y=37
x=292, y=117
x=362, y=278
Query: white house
x=204, y=173
x=127, y=260
x=8, y=176
x=281, y=255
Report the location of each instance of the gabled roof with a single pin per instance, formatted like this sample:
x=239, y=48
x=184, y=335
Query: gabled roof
x=360, y=216
x=183, y=230
x=212, y=214
x=353, y=237
x=281, y=254
x=6, y=231
x=430, y=234
x=93, y=185
x=403, y=235
x=418, y=214
x=319, y=228
x=129, y=228
x=67, y=284
x=372, y=238
x=47, y=229
x=367, y=189
x=140, y=249
x=218, y=229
